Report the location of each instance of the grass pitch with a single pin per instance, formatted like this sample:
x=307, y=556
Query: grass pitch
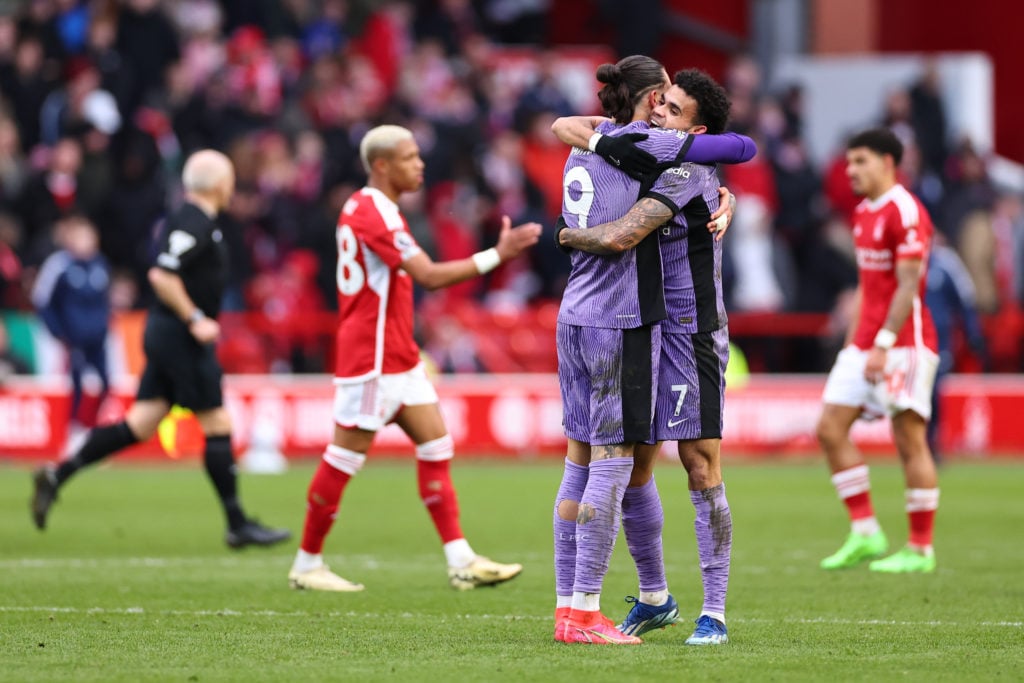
x=132, y=582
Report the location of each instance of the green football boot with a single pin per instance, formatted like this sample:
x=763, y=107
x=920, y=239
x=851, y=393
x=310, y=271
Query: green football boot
x=905, y=561
x=857, y=549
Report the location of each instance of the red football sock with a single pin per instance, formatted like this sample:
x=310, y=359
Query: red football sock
x=438, y=495
x=854, y=488
x=322, y=500
x=922, y=522
x=859, y=506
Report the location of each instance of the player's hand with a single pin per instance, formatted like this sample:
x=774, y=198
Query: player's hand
x=621, y=152
x=512, y=241
x=722, y=218
x=874, y=368
x=561, y=225
x=205, y=330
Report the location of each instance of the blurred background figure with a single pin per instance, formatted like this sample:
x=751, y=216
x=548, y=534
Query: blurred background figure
x=953, y=304
x=72, y=297
x=10, y=362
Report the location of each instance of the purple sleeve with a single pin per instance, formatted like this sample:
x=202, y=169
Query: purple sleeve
x=727, y=148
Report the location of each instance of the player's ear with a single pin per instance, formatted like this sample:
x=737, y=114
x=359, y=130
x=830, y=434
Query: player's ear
x=697, y=130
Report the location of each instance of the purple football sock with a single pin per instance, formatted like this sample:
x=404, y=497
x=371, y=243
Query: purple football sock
x=598, y=522
x=714, y=544
x=642, y=521
x=574, y=481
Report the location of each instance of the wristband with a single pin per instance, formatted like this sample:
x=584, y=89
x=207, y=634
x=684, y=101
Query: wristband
x=885, y=339
x=195, y=316
x=486, y=260
x=594, y=139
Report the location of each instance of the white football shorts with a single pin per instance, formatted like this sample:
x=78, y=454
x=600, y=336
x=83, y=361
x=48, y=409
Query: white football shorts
x=374, y=403
x=909, y=377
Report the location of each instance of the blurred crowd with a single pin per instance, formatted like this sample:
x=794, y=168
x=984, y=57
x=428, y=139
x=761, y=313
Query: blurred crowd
x=101, y=101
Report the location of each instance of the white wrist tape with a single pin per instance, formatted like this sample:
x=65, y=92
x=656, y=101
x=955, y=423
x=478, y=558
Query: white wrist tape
x=592, y=142
x=486, y=260
x=885, y=339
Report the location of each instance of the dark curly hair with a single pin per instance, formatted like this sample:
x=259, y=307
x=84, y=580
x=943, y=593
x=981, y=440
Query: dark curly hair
x=626, y=83
x=712, y=102
x=879, y=140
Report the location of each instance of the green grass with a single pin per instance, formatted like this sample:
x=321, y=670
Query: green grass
x=132, y=582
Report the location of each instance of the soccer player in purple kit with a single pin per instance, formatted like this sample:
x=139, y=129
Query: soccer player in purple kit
x=608, y=345
x=694, y=355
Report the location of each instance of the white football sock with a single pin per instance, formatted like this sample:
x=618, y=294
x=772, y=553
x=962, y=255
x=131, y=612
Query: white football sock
x=458, y=553
x=654, y=598
x=588, y=602
x=305, y=562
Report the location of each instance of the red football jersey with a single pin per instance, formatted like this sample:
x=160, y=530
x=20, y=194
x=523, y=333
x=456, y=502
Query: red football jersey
x=889, y=228
x=374, y=293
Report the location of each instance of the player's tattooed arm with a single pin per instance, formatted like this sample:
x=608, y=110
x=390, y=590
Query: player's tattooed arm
x=619, y=235
x=576, y=130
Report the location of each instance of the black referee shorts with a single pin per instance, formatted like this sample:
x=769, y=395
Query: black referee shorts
x=178, y=368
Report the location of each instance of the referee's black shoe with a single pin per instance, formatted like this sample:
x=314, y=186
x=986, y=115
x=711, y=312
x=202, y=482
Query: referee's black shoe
x=254, y=533
x=44, y=494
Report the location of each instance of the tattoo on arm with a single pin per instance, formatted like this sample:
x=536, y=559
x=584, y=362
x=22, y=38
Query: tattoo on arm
x=908, y=279
x=619, y=235
x=607, y=452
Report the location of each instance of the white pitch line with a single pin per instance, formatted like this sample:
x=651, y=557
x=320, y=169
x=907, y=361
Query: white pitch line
x=129, y=611
x=364, y=561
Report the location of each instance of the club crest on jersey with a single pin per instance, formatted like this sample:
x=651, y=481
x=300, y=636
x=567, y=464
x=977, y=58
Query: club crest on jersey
x=879, y=228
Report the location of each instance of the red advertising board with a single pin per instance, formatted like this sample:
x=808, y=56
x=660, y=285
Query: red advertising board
x=520, y=415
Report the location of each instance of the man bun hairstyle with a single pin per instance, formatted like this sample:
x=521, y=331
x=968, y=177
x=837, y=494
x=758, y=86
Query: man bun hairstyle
x=879, y=140
x=625, y=83
x=712, y=101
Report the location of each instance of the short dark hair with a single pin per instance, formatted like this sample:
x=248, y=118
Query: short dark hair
x=712, y=101
x=880, y=141
x=625, y=83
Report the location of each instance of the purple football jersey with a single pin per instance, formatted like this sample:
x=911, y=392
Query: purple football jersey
x=622, y=290
x=691, y=257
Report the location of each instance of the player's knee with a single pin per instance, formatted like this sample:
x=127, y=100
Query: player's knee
x=214, y=422
x=911, y=443
x=349, y=462
x=436, y=450
x=142, y=422
x=568, y=510
x=829, y=432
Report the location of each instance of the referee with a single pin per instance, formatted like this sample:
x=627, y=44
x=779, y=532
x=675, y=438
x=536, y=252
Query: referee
x=181, y=366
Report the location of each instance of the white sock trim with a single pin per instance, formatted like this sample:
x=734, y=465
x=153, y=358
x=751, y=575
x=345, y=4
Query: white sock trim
x=868, y=526
x=720, y=616
x=654, y=598
x=458, y=553
x=563, y=601
x=921, y=500
x=436, y=450
x=850, y=482
x=305, y=562
x=587, y=602
x=344, y=460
